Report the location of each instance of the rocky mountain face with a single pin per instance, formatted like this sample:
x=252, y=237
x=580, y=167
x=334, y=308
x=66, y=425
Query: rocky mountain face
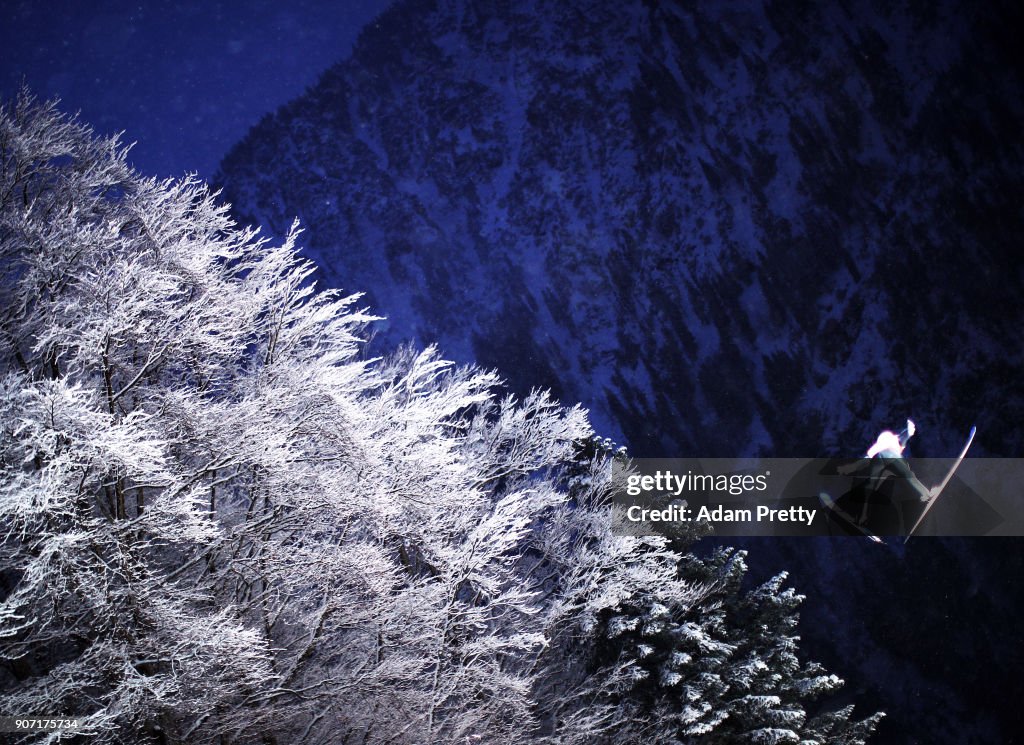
x=745, y=226
x=727, y=228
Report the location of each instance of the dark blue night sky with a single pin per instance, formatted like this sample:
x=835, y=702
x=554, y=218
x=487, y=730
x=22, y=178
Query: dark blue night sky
x=185, y=80
x=762, y=228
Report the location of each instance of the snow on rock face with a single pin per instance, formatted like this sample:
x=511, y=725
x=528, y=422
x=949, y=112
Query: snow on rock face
x=739, y=227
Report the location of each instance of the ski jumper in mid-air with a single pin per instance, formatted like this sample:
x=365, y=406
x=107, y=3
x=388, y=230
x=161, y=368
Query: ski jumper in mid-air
x=885, y=488
x=885, y=479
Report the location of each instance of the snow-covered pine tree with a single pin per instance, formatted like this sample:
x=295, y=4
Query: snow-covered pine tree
x=684, y=655
x=223, y=524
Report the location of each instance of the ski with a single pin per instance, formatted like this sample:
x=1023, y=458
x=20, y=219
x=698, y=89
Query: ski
x=945, y=481
x=826, y=499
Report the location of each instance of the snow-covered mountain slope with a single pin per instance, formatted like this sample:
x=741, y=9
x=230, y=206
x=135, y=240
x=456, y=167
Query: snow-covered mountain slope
x=735, y=228
x=739, y=228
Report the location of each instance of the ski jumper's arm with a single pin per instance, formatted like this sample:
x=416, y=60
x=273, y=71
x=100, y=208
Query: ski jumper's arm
x=861, y=464
x=901, y=468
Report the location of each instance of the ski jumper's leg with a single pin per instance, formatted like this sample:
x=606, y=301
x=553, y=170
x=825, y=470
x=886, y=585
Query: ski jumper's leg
x=909, y=495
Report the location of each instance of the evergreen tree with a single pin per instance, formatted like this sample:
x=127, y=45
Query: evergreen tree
x=684, y=657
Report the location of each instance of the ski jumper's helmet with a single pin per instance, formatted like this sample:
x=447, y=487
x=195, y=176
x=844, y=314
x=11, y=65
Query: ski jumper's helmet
x=891, y=445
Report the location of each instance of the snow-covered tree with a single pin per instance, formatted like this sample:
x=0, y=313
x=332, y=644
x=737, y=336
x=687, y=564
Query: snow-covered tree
x=656, y=646
x=223, y=523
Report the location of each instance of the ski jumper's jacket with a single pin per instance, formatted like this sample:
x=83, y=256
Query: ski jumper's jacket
x=884, y=475
x=890, y=464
